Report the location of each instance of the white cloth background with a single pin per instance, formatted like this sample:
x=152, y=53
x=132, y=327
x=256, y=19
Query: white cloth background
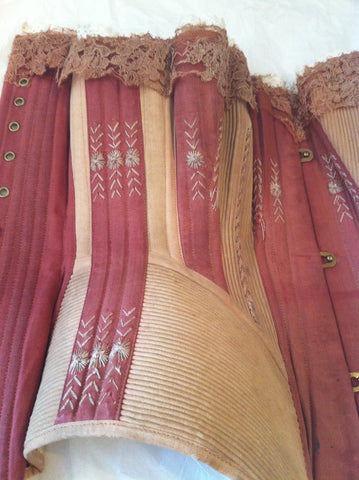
x=278, y=37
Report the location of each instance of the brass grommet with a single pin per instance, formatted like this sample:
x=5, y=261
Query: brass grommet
x=306, y=155
x=19, y=102
x=4, y=192
x=14, y=126
x=330, y=260
x=9, y=156
x=23, y=82
x=354, y=377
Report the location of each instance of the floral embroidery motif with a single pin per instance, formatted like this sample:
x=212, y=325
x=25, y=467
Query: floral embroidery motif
x=114, y=160
x=195, y=160
x=121, y=349
x=80, y=360
x=99, y=355
x=132, y=159
x=276, y=192
x=97, y=163
x=120, y=352
x=336, y=187
x=237, y=229
x=214, y=190
x=258, y=194
x=104, y=359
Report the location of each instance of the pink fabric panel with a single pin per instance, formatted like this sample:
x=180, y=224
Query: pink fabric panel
x=334, y=199
x=295, y=283
x=198, y=115
x=32, y=221
x=107, y=332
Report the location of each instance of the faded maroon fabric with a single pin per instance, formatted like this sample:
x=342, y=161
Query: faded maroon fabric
x=198, y=117
x=32, y=219
x=334, y=201
x=291, y=267
x=107, y=332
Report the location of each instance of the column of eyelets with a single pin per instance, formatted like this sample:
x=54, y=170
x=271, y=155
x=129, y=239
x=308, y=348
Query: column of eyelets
x=13, y=127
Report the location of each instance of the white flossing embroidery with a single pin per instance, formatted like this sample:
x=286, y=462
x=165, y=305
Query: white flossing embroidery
x=195, y=160
x=276, y=192
x=242, y=268
x=214, y=190
x=114, y=160
x=132, y=159
x=96, y=359
x=336, y=187
x=97, y=163
x=258, y=194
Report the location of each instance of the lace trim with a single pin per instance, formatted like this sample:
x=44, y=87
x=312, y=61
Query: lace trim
x=330, y=85
x=240, y=86
x=137, y=60
x=204, y=51
x=281, y=101
x=300, y=116
x=35, y=53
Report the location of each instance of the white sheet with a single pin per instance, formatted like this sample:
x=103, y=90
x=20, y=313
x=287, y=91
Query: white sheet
x=278, y=37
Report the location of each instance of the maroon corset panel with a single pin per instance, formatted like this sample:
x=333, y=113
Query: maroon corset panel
x=107, y=332
x=32, y=220
x=291, y=267
x=334, y=200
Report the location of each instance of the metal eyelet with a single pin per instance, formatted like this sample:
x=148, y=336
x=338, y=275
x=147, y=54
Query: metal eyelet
x=14, y=126
x=23, y=82
x=4, y=192
x=305, y=155
x=19, y=102
x=9, y=156
x=330, y=260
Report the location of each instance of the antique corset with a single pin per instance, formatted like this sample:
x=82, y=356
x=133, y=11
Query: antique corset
x=161, y=323
x=162, y=243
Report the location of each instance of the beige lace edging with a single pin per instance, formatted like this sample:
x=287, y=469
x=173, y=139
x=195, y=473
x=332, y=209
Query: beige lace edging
x=140, y=60
x=330, y=85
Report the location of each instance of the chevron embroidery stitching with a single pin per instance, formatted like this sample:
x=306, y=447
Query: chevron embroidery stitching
x=195, y=159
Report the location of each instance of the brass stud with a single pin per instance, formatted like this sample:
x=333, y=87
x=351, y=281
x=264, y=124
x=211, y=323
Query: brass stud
x=19, y=102
x=9, y=156
x=4, y=192
x=305, y=155
x=23, y=82
x=14, y=126
x=330, y=259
